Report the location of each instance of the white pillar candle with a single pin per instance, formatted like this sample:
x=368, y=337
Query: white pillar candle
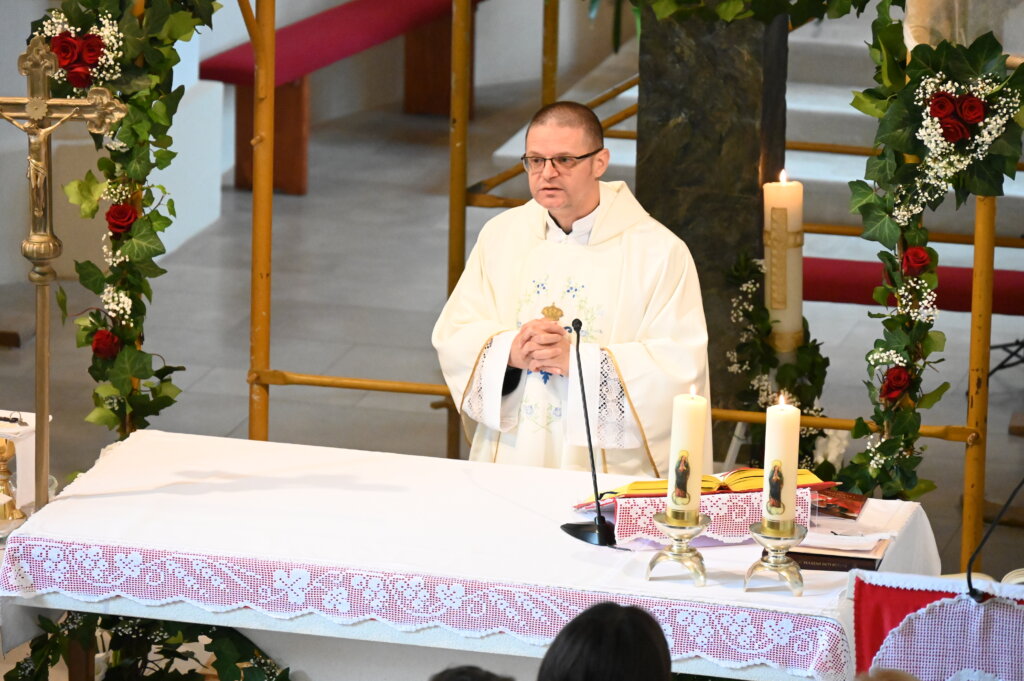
x=686, y=454
x=783, y=244
x=781, y=448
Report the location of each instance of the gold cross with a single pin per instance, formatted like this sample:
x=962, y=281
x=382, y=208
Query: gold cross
x=38, y=116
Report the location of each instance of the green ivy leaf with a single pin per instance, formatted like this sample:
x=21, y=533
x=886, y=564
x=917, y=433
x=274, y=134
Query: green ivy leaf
x=144, y=244
x=105, y=390
x=907, y=423
x=860, y=429
x=85, y=194
x=861, y=195
x=102, y=416
x=871, y=105
x=920, y=489
x=130, y=363
x=163, y=158
x=166, y=370
x=880, y=227
x=91, y=277
x=727, y=10
x=935, y=341
x=158, y=113
x=179, y=26
x=880, y=295
x=928, y=401
x=62, y=303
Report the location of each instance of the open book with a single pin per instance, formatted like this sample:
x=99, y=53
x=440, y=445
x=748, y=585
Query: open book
x=739, y=480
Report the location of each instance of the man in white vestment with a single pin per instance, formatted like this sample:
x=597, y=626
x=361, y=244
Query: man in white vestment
x=581, y=249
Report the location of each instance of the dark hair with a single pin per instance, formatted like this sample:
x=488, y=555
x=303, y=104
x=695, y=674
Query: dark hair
x=468, y=673
x=573, y=115
x=608, y=642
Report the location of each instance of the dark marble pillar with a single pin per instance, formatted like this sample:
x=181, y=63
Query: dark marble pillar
x=710, y=132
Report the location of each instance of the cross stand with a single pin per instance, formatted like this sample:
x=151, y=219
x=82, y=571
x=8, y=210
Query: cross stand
x=38, y=116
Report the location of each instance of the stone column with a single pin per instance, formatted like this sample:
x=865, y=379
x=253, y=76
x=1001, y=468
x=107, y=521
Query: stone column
x=711, y=131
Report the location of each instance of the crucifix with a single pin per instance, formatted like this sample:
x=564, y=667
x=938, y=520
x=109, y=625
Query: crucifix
x=38, y=116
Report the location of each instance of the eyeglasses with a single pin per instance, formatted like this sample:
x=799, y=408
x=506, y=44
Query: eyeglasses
x=535, y=164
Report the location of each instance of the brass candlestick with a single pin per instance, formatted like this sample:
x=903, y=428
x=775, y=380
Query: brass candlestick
x=777, y=540
x=682, y=528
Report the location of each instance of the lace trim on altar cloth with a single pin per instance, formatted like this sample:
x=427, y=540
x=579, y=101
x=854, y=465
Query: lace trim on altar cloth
x=731, y=515
x=473, y=402
x=730, y=636
x=957, y=639
x=610, y=429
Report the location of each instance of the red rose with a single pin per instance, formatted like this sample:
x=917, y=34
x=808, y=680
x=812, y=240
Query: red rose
x=105, y=344
x=90, y=48
x=66, y=49
x=79, y=76
x=970, y=109
x=954, y=130
x=915, y=260
x=896, y=382
x=941, y=105
x=120, y=217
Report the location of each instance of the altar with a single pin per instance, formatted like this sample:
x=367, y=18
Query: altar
x=323, y=555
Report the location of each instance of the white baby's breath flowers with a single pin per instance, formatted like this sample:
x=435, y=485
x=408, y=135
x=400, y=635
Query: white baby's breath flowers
x=110, y=256
x=916, y=300
x=116, y=192
x=877, y=358
x=117, y=304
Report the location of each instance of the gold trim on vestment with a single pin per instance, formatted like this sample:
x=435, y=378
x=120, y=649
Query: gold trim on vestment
x=636, y=415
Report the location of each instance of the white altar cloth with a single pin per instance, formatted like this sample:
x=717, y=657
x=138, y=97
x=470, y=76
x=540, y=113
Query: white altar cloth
x=332, y=542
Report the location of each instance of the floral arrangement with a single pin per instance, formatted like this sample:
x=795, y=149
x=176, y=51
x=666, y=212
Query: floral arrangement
x=800, y=384
x=126, y=46
x=139, y=648
x=85, y=57
x=949, y=119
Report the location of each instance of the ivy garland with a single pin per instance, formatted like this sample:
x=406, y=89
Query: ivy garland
x=801, y=383
x=145, y=649
x=798, y=11
x=949, y=119
x=126, y=46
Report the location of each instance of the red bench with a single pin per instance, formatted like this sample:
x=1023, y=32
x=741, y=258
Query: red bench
x=321, y=40
x=852, y=281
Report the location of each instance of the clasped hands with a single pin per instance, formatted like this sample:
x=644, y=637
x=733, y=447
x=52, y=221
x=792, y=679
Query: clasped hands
x=541, y=345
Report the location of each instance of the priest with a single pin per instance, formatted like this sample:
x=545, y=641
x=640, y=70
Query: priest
x=580, y=249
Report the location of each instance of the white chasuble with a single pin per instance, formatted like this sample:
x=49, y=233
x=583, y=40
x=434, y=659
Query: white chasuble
x=634, y=287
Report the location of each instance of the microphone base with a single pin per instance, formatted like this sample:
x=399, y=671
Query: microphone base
x=602, y=534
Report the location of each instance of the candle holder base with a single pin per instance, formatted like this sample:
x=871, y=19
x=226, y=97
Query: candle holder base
x=680, y=551
x=777, y=561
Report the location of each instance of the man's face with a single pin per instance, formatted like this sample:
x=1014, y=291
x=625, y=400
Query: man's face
x=567, y=194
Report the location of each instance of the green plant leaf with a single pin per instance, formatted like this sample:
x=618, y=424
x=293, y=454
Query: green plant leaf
x=880, y=227
x=861, y=194
x=869, y=104
x=163, y=158
x=102, y=416
x=727, y=10
x=144, y=244
x=179, y=26
x=62, y=303
x=928, y=401
x=935, y=341
x=130, y=363
x=860, y=429
x=90, y=275
x=919, y=490
x=85, y=194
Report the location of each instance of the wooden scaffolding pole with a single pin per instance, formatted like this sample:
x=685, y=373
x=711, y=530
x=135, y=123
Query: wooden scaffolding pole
x=549, y=61
x=261, y=33
x=977, y=376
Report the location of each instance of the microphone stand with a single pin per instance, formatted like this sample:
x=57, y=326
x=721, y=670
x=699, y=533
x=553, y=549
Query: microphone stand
x=599, y=532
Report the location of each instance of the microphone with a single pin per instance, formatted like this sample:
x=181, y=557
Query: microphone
x=979, y=596
x=600, y=532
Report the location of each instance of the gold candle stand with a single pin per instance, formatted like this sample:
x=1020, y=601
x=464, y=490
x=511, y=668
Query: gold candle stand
x=777, y=539
x=681, y=529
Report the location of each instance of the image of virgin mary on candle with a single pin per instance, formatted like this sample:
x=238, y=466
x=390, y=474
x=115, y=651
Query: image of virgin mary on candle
x=682, y=477
x=774, y=505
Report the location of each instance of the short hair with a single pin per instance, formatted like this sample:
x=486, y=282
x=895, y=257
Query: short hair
x=608, y=642
x=572, y=115
x=468, y=673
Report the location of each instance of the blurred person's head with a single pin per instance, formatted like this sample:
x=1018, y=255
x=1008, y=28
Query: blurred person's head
x=608, y=642
x=468, y=673
x=886, y=675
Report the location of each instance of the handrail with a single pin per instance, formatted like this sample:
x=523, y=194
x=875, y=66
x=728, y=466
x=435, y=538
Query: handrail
x=942, y=237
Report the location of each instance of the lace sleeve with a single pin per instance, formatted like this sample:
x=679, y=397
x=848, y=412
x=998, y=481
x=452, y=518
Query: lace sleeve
x=485, y=400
